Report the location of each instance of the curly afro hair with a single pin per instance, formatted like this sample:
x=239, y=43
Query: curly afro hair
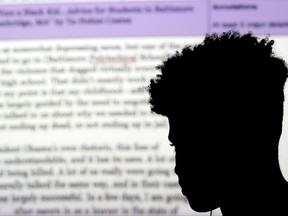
x=225, y=68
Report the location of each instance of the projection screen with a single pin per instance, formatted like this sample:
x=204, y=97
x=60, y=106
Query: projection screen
x=77, y=134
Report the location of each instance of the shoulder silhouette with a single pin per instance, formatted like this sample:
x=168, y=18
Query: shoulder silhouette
x=224, y=102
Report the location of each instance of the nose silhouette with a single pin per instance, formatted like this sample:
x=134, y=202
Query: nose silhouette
x=176, y=170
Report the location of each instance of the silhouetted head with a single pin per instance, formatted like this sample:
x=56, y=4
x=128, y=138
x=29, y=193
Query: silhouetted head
x=224, y=102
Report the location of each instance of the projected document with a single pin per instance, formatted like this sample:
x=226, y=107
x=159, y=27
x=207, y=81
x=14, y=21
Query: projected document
x=77, y=134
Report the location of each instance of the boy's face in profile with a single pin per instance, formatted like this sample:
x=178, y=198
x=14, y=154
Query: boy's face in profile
x=224, y=102
x=199, y=167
